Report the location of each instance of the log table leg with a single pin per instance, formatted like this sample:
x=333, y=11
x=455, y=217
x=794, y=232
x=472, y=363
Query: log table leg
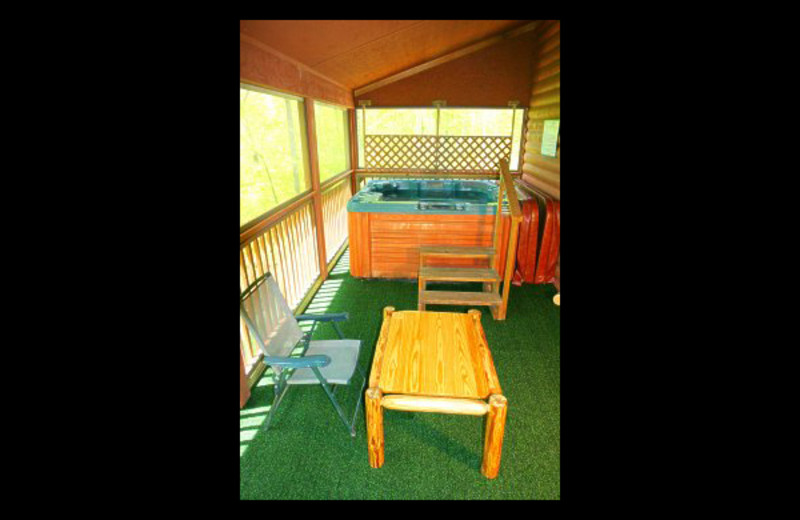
x=493, y=442
x=374, y=427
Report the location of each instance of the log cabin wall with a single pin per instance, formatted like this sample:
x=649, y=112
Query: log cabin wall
x=489, y=77
x=545, y=103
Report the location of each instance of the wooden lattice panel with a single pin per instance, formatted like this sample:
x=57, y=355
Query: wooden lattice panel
x=473, y=154
x=401, y=152
x=432, y=153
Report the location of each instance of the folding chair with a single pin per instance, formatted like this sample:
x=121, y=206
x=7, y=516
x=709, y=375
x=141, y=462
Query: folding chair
x=275, y=329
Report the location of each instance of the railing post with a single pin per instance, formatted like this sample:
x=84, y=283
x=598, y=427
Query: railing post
x=438, y=103
x=353, y=151
x=364, y=103
x=313, y=162
x=511, y=251
x=498, y=226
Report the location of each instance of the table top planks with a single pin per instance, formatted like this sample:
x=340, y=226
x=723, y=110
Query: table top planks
x=442, y=354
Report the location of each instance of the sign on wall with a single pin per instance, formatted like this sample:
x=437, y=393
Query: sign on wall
x=550, y=137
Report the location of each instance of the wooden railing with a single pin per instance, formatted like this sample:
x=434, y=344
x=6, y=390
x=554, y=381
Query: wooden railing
x=334, y=215
x=286, y=247
x=297, y=241
x=506, y=186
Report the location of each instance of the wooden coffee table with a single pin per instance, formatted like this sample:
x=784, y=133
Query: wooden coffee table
x=435, y=362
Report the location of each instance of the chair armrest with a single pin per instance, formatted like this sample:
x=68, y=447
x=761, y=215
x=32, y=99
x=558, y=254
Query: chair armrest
x=337, y=316
x=301, y=362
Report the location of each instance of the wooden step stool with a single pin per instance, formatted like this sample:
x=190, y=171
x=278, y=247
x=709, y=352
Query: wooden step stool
x=488, y=275
x=490, y=296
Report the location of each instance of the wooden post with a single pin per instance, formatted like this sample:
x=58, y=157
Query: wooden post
x=511, y=251
x=493, y=441
x=498, y=227
x=377, y=359
x=511, y=258
x=374, y=427
x=486, y=357
x=313, y=162
x=373, y=399
x=353, y=151
x=497, y=243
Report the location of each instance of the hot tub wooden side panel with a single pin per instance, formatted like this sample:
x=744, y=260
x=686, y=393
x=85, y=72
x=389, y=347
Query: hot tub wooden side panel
x=385, y=245
x=358, y=234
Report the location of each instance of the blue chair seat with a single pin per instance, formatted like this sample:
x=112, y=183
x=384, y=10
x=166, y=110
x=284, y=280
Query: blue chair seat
x=344, y=356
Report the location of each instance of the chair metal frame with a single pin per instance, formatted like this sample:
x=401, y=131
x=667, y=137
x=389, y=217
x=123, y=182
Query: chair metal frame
x=287, y=365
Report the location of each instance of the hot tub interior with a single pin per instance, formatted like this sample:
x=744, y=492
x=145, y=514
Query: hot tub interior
x=477, y=192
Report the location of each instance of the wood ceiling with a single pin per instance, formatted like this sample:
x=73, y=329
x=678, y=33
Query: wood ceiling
x=355, y=53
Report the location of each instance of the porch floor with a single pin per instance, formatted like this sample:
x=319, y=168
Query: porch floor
x=308, y=454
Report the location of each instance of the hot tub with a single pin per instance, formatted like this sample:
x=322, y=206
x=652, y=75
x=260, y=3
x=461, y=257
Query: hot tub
x=420, y=196
x=390, y=219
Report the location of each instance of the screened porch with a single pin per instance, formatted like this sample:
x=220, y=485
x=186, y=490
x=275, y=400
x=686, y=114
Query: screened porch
x=333, y=109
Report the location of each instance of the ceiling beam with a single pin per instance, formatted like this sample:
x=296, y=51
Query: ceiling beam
x=435, y=62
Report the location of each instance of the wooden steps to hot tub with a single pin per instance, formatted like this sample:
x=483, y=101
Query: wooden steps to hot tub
x=489, y=275
x=464, y=252
x=460, y=298
x=458, y=274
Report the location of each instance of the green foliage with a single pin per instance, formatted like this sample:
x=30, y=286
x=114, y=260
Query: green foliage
x=271, y=160
x=405, y=121
x=478, y=122
x=333, y=148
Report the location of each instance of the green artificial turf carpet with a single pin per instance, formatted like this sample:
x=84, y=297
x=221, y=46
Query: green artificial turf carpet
x=308, y=454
